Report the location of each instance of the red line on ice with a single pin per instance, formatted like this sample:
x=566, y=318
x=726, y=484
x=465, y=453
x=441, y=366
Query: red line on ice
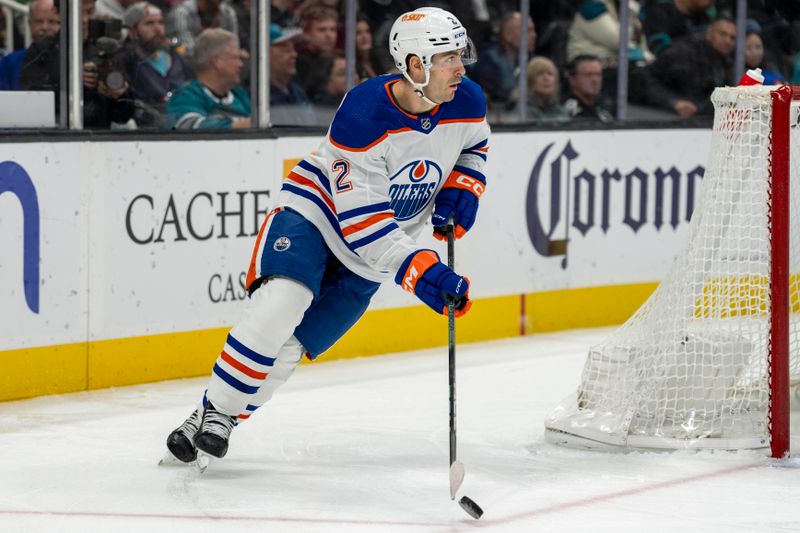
x=220, y=518
x=614, y=495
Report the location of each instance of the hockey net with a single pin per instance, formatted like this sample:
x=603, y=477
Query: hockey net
x=703, y=363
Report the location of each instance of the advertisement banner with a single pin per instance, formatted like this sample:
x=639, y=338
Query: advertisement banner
x=44, y=265
x=122, y=239
x=582, y=209
x=172, y=230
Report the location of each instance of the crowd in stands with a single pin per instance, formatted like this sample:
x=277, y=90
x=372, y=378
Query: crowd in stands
x=185, y=63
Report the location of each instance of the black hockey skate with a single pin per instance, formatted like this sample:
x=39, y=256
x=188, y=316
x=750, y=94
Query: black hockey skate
x=181, y=441
x=215, y=430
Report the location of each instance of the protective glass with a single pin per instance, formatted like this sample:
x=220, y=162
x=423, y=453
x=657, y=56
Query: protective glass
x=463, y=56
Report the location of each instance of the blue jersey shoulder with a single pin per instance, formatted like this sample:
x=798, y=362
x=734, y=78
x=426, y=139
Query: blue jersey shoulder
x=362, y=118
x=468, y=103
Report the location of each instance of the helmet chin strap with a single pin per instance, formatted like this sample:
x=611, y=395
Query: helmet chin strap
x=418, y=87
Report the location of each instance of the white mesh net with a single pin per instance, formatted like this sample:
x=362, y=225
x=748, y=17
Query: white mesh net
x=690, y=368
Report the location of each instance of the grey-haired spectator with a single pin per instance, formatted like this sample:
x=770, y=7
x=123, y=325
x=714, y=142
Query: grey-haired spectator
x=584, y=99
x=289, y=104
x=667, y=21
x=544, y=91
x=684, y=76
x=188, y=19
x=215, y=99
x=497, y=68
x=153, y=67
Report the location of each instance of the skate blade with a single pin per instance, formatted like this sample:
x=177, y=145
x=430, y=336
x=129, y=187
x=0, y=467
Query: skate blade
x=203, y=460
x=170, y=460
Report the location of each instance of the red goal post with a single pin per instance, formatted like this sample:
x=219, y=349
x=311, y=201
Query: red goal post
x=780, y=276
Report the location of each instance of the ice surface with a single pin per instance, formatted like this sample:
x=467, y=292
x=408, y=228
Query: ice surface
x=362, y=445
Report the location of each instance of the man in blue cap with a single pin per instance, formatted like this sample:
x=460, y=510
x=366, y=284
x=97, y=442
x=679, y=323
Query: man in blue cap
x=289, y=104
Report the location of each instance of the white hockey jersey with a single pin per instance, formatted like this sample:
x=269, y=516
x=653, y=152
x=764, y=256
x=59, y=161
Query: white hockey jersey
x=370, y=186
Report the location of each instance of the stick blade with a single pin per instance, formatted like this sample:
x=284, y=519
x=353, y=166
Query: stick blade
x=456, y=478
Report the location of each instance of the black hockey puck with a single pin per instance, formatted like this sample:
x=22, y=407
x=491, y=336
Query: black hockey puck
x=472, y=508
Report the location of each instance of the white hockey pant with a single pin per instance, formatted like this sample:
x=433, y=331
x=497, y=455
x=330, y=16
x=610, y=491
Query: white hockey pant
x=260, y=352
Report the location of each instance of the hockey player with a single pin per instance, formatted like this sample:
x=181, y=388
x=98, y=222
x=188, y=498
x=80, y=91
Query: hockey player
x=401, y=149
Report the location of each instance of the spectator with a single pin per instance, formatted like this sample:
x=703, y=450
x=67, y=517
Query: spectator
x=319, y=29
x=103, y=103
x=242, y=10
x=44, y=22
x=543, y=91
x=754, y=58
x=366, y=61
x=553, y=20
x=191, y=17
x=114, y=9
x=776, y=22
x=381, y=15
x=497, y=69
x=475, y=16
x=584, y=100
x=666, y=21
x=215, y=99
x=282, y=12
x=595, y=31
x=288, y=103
x=684, y=76
x=331, y=86
x=3, y=51
x=796, y=69
x=153, y=68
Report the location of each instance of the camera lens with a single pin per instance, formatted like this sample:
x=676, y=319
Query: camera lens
x=115, y=80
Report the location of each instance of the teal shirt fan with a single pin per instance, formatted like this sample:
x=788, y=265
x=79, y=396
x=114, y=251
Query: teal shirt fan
x=194, y=106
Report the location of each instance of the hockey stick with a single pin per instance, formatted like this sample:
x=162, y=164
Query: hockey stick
x=456, y=467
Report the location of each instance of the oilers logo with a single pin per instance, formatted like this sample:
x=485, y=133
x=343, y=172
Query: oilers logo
x=282, y=244
x=413, y=187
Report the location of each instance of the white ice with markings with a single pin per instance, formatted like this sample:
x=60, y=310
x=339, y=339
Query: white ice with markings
x=362, y=445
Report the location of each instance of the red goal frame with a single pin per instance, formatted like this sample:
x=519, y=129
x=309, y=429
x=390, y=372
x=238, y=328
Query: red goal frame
x=780, y=275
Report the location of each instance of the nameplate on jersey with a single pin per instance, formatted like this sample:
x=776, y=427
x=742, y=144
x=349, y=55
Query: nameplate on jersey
x=412, y=188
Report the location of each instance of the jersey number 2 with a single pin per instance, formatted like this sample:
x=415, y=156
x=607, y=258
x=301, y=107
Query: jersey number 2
x=342, y=169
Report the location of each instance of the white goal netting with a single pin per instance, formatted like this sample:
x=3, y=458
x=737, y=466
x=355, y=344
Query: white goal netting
x=690, y=367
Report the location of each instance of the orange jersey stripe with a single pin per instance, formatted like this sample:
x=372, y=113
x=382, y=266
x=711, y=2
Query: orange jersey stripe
x=297, y=178
x=453, y=120
x=366, y=223
x=388, y=86
x=241, y=367
x=251, y=272
x=370, y=145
